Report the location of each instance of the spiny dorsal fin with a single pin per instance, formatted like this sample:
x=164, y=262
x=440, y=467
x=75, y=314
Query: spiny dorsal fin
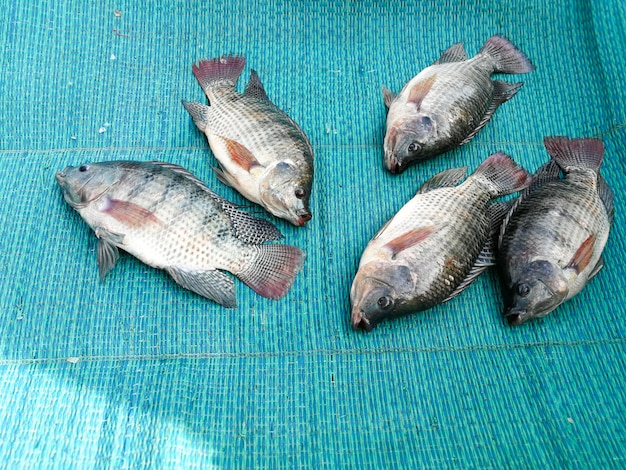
x=447, y=178
x=454, y=53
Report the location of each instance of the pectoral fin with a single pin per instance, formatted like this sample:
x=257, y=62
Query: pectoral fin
x=128, y=213
x=420, y=90
x=409, y=239
x=240, y=154
x=583, y=255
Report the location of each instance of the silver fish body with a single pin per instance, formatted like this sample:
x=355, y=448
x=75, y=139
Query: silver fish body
x=164, y=216
x=262, y=152
x=436, y=245
x=551, y=243
x=446, y=104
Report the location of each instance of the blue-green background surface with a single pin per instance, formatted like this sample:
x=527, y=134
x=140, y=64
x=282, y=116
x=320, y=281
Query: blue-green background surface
x=136, y=372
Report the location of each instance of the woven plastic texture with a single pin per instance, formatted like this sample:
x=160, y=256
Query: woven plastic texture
x=136, y=372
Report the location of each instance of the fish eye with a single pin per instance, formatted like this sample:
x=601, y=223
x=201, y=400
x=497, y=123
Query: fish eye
x=83, y=168
x=414, y=147
x=523, y=289
x=299, y=192
x=385, y=302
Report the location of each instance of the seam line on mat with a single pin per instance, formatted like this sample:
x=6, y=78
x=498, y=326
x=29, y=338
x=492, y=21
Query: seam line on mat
x=605, y=133
x=313, y=352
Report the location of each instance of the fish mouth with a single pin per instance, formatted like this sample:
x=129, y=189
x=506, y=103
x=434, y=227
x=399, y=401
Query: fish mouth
x=393, y=165
x=359, y=321
x=302, y=218
x=515, y=316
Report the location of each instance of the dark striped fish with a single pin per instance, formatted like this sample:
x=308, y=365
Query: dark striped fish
x=262, y=152
x=164, y=216
x=446, y=104
x=436, y=245
x=551, y=243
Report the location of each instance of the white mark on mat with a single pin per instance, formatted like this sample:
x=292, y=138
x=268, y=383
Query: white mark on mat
x=112, y=57
x=570, y=420
x=117, y=13
x=73, y=360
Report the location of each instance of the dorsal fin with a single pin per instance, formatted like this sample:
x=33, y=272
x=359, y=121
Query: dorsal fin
x=420, y=90
x=254, y=88
x=447, y=178
x=454, y=53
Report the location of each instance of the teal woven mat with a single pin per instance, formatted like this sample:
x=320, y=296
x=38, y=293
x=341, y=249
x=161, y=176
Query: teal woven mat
x=136, y=372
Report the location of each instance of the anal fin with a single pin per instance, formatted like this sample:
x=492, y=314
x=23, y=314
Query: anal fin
x=502, y=92
x=211, y=284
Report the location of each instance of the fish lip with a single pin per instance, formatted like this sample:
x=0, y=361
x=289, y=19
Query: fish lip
x=394, y=166
x=359, y=321
x=302, y=218
x=514, y=316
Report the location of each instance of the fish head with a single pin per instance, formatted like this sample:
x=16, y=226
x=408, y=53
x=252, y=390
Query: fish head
x=407, y=141
x=540, y=287
x=84, y=184
x=379, y=291
x=285, y=191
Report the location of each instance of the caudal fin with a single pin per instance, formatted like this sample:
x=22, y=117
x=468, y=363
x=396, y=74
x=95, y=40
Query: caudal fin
x=223, y=70
x=273, y=271
x=575, y=153
x=506, y=56
x=501, y=175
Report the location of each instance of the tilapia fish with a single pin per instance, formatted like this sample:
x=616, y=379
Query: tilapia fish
x=446, y=104
x=166, y=217
x=551, y=242
x=262, y=152
x=436, y=245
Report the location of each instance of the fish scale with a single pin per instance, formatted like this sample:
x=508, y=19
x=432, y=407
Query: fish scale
x=436, y=245
x=262, y=152
x=449, y=102
x=551, y=243
x=164, y=216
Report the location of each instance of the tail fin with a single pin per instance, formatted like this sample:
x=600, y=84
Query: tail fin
x=224, y=70
x=501, y=175
x=507, y=57
x=273, y=271
x=577, y=153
